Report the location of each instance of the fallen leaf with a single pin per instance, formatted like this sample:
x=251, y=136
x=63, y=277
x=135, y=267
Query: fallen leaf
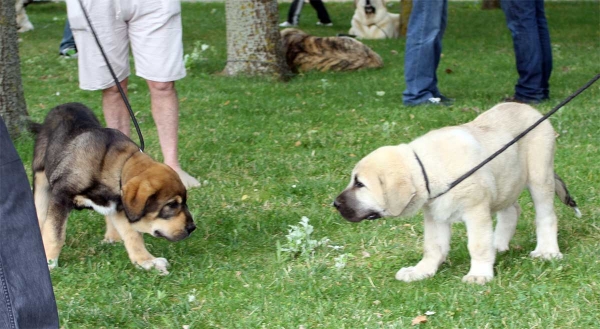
x=298, y=143
x=227, y=103
x=244, y=197
x=449, y=71
x=419, y=319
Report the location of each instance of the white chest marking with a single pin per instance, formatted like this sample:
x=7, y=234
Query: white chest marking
x=82, y=201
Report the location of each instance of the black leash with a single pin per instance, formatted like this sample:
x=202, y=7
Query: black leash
x=516, y=139
x=114, y=76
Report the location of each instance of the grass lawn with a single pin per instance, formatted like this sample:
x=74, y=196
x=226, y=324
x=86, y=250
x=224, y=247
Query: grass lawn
x=270, y=153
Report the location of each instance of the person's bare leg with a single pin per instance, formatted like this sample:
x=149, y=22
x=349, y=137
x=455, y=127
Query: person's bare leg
x=165, y=111
x=115, y=111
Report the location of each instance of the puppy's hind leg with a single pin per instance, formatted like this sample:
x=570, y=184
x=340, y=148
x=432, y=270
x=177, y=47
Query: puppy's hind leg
x=41, y=196
x=436, y=247
x=54, y=230
x=542, y=193
x=506, y=226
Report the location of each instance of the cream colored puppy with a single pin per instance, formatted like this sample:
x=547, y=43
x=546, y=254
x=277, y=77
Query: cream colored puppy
x=371, y=20
x=23, y=23
x=398, y=181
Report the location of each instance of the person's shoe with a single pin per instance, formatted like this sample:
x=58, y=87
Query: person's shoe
x=431, y=101
x=69, y=53
x=187, y=180
x=516, y=99
x=325, y=24
x=445, y=100
x=287, y=24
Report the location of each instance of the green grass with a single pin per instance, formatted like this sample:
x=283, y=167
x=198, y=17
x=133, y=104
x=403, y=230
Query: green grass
x=241, y=136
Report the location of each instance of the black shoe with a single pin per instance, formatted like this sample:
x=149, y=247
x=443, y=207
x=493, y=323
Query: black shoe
x=446, y=100
x=516, y=99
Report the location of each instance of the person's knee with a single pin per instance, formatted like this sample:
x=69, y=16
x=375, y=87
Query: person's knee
x=114, y=90
x=161, y=87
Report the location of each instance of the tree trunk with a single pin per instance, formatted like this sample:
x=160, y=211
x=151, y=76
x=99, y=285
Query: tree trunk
x=405, y=10
x=254, y=44
x=12, y=101
x=490, y=4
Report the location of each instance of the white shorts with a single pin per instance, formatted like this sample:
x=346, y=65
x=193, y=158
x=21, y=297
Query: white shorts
x=151, y=27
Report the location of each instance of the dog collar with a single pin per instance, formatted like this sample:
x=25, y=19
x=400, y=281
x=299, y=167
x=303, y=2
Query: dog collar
x=424, y=173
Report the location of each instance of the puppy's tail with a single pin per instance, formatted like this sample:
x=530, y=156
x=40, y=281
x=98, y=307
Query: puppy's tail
x=34, y=127
x=563, y=194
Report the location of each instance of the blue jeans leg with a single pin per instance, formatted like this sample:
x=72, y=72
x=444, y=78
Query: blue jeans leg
x=546, y=48
x=532, y=47
x=26, y=295
x=67, y=40
x=423, y=50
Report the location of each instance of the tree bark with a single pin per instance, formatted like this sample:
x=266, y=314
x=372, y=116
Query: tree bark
x=12, y=100
x=490, y=4
x=254, y=44
x=405, y=10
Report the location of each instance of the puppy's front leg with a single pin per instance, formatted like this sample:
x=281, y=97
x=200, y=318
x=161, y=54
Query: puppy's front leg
x=111, y=235
x=436, y=247
x=480, y=234
x=134, y=243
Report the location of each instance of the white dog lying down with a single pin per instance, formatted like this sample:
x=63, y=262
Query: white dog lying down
x=371, y=20
x=397, y=181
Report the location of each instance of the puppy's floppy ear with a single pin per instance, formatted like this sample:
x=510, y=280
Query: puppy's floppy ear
x=398, y=189
x=136, y=194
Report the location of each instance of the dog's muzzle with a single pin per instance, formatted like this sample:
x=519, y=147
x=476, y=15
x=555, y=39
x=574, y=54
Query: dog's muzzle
x=369, y=9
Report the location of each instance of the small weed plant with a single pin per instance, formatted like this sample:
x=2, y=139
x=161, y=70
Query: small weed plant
x=300, y=242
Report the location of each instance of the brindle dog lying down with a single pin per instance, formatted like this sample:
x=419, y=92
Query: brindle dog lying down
x=305, y=52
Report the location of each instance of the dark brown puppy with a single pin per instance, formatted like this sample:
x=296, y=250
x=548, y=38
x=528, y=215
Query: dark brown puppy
x=79, y=164
x=305, y=52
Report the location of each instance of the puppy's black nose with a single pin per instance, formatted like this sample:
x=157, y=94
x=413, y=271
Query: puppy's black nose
x=190, y=228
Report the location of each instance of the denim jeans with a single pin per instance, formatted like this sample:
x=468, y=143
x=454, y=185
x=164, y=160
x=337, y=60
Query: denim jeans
x=26, y=295
x=423, y=50
x=67, y=40
x=527, y=23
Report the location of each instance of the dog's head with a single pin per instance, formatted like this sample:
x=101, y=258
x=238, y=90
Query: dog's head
x=369, y=6
x=381, y=186
x=154, y=199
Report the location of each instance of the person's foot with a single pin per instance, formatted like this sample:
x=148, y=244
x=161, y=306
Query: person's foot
x=445, y=100
x=433, y=101
x=325, y=24
x=516, y=99
x=287, y=24
x=69, y=52
x=187, y=180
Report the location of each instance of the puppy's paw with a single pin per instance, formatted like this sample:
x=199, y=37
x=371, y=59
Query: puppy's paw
x=52, y=263
x=160, y=264
x=546, y=255
x=479, y=279
x=409, y=274
x=111, y=238
x=501, y=248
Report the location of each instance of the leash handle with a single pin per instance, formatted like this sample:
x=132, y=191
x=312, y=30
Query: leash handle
x=519, y=136
x=114, y=76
